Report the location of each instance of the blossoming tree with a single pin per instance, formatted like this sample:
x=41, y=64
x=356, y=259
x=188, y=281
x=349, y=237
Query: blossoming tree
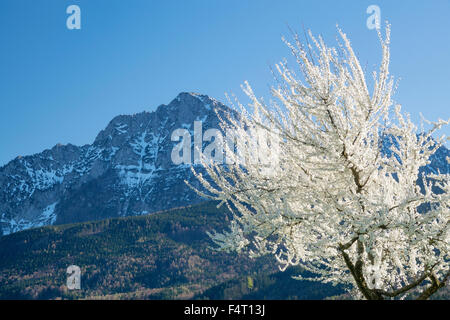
x=345, y=198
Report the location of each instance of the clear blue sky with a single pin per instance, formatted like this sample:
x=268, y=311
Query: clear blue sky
x=64, y=86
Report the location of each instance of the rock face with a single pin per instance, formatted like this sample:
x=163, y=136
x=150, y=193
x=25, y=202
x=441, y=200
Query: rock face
x=127, y=171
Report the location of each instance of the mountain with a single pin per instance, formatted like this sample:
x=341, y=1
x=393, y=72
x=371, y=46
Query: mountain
x=165, y=255
x=126, y=171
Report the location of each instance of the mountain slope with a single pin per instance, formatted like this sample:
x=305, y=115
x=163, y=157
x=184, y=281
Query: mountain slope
x=271, y=286
x=161, y=255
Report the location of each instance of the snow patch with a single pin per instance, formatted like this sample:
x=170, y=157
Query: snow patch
x=47, y=217
x=121, y=128
x=137, y=177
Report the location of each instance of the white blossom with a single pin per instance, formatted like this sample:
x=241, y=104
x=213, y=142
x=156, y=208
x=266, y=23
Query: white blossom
x=335, y=203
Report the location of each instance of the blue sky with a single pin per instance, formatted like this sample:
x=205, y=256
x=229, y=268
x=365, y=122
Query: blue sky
x=64, y=86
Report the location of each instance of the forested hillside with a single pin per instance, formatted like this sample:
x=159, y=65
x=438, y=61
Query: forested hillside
x=164, y=255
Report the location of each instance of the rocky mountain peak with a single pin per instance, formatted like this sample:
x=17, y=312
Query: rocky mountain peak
x=127, y=170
